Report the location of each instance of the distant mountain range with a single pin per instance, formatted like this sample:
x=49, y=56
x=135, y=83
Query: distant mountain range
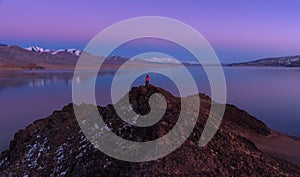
x=34, y=57
x=287, y=61
x=16, y=58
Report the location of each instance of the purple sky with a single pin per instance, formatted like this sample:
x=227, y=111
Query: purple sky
x=237, y=30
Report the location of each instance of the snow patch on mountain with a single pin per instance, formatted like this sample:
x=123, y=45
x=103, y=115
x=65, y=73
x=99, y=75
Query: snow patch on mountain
x=74, y=51
x=53, y=52
x=35, y=49
x=162, y=60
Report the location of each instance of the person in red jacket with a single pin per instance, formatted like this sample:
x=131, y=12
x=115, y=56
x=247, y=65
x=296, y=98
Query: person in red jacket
x=147, y=80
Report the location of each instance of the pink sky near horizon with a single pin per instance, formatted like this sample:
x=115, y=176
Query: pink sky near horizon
x=251, y=29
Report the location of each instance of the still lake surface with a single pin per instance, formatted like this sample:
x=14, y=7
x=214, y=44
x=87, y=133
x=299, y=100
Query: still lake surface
x=270, y=94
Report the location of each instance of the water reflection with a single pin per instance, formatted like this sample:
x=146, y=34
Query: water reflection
x=18, y=79
x=44, y=78
x=28, y=96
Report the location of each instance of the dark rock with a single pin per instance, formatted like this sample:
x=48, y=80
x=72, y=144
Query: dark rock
x=33, y=66
x=55, y=146
x=3, y=45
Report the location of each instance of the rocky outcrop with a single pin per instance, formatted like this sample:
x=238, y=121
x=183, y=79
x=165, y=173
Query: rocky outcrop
x=33, y=66
x=56, y=146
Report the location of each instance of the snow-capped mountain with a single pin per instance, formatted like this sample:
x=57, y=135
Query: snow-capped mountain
x=35, y=49
x=53, y=52
x=166, y=60
x=74, y=51
x=162, y=60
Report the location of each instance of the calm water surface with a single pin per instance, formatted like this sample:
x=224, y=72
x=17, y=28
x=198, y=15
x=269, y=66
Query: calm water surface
x=270, y=94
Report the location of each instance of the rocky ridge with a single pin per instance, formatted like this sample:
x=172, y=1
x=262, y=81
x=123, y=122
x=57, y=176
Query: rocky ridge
x=56, y=146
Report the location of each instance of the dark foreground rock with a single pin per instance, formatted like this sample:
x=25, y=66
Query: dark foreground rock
x=55, y=146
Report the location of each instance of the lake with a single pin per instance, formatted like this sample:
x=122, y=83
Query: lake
x=270, y=94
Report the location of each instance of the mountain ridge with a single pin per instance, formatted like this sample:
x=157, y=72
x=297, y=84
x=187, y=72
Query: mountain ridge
x=53, y=52
x=34, y=58
x=285, y=61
